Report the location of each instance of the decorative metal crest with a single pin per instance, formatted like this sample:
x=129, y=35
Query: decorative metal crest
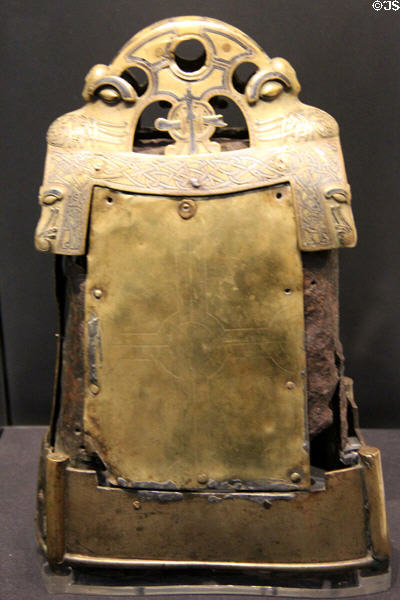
x=288, y=141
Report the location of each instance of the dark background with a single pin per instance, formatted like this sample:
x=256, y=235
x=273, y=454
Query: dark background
x=346, y=56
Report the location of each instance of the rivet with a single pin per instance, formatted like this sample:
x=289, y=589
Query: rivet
x=290, y=385
x=295, y=477
x=97, y=293
x=94, y=388
x=187, y=209
x=136, y=505
x=97, y=165
x=202, y=478
x=195, y=182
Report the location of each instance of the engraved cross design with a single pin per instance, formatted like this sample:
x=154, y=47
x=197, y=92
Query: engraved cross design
x=190, y=121
x=211, y=342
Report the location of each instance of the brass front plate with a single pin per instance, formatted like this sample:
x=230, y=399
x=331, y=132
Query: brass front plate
x=195, y=353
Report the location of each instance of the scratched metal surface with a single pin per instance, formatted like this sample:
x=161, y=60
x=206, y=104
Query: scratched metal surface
x=195, y=347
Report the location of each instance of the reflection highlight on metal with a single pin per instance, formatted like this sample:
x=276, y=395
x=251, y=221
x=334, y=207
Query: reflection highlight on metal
x=202, y=426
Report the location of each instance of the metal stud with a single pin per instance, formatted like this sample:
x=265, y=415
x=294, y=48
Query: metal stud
x=97, y=293
x=295, y=477
x=97, y=165
x=187, y=209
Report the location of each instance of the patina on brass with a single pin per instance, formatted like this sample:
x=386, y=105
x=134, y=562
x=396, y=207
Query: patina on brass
x=215, y=336
x=202, y=419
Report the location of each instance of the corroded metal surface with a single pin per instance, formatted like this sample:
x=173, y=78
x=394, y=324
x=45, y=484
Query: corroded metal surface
x=204, y=331
x=323, y=348
x=69, y=437
x=202, y=418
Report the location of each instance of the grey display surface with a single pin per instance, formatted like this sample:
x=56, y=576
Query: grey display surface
x=346, y=55
x=20, y=577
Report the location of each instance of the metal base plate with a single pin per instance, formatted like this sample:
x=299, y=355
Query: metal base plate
x=166, y=583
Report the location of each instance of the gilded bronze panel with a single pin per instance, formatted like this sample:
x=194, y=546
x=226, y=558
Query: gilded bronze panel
x=194, y=335
x=288, y=141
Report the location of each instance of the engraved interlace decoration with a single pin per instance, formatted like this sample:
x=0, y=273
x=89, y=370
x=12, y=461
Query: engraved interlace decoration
x=288, y=141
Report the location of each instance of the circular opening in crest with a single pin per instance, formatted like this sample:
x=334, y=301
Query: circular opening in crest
x=242, y=74
x=190, y=55
x=138, y=79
